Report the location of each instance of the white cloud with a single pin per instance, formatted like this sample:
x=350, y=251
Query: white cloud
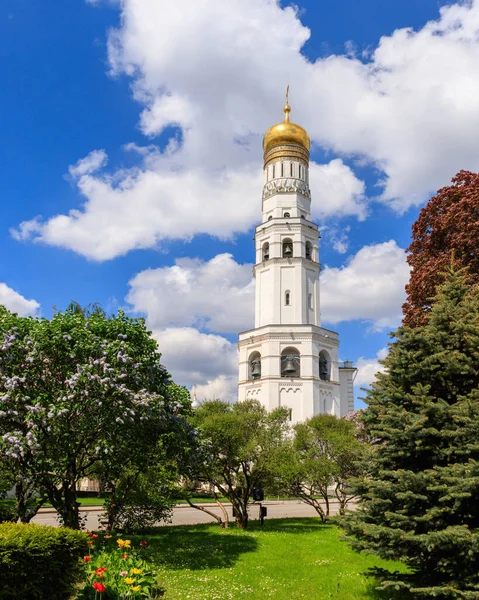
x=336, y=191
x=409, y=109
x=370, y=286
x=208, y=179
x=368, y=368
x=207, y=361
x=217, y=295
x=16, y=303
x=92, y=162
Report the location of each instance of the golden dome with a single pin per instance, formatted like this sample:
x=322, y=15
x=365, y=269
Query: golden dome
x=286, y=133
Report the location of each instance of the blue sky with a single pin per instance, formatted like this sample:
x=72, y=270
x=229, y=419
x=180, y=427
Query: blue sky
x=130, y=163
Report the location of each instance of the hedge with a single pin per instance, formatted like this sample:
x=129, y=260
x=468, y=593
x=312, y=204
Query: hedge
x=39, y=562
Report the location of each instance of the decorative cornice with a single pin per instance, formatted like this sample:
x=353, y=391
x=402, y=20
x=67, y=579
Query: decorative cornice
x=287, y=151
x=286, y=185
x=288, y=261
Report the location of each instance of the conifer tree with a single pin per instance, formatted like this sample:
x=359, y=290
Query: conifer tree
x=420, y=498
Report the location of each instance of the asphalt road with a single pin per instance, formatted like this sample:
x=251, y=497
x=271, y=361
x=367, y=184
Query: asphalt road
x=185, y=515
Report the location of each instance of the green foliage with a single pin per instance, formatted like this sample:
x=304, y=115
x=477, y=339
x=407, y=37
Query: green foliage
x=8, y=512
x=121, y=567
x=78, y=391
x=324, y=452
x=141, y=497
x=235, y=444
x=38, y=562
x=419, y=500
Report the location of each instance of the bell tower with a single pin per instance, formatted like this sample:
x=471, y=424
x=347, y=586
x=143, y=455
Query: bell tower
x=288, y=359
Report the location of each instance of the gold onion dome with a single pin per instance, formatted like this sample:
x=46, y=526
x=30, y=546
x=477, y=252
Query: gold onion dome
x=286, y=134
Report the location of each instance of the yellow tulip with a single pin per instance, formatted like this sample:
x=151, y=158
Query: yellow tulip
x=137, y=588
x=129, y=580
x=136, y=571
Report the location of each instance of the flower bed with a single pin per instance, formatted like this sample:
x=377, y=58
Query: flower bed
x=115, y=569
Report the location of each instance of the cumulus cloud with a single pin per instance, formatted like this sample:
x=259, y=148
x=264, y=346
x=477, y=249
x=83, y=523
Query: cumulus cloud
x=92, y=162
x=217, y=295
x=369, y=367
x=370, y=287
x=16, y=303
x=207, y=361
x=208, y=178
x=408, y=109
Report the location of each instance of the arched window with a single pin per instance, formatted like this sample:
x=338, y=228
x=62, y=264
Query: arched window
x=310, y=300
x=286, y=215
x=309, y=251
x=287, y=248
x=270, y=218
x=254, y=366
x=266, y=251
x=287, y=298
x=324, y=366
x=290, y=363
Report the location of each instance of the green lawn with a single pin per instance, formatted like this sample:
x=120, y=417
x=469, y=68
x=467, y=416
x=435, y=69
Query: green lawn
x=287, y=559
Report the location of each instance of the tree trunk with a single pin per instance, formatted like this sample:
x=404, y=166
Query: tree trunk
x=68, y=508
x=208, y=512
x=27, y=504
x=225, y=513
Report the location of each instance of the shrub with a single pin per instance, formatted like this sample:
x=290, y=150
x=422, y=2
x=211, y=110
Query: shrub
x=38, y=562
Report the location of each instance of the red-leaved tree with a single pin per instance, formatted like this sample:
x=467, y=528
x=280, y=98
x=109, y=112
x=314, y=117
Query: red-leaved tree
x=447, y=229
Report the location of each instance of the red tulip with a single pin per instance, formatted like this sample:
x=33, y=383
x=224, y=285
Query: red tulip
x=87, y=558
x=99, y=587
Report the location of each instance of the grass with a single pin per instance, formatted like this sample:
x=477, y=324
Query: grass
x=287, y=559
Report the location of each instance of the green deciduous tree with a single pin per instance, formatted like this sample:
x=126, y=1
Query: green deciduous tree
x=420, y=497
x=77, y=390
x=235, y=444
x=322, y=457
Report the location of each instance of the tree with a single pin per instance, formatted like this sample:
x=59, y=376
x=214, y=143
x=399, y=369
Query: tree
x=448, y=223
x=76, y=390
x=235, y=442
x=141, y=475
x=325, y=452
x=419, y=499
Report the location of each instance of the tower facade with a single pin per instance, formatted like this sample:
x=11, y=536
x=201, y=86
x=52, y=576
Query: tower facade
x=288, y=359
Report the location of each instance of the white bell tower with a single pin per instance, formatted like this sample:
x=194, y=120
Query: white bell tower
x=288, y=359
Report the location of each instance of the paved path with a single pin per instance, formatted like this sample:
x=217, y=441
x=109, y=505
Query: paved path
x=185, y=515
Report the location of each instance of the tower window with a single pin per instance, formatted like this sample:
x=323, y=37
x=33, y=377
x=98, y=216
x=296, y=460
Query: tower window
x=300, y=171
x=254, y=366
x=286, y=215
x=282, y=169
x=273, y=170
x=324, y=366
x=291, y=169
x=266, y=251
x=309, y=251
x=287, y=298
x=287, y=248
x=270, y=218
x=290, y=363
x=310, y=300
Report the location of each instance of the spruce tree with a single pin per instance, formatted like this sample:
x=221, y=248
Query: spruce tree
x=420, y=500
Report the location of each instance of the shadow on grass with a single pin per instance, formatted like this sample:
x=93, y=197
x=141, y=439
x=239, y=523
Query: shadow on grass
x=300, y=525
x=198, y=549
